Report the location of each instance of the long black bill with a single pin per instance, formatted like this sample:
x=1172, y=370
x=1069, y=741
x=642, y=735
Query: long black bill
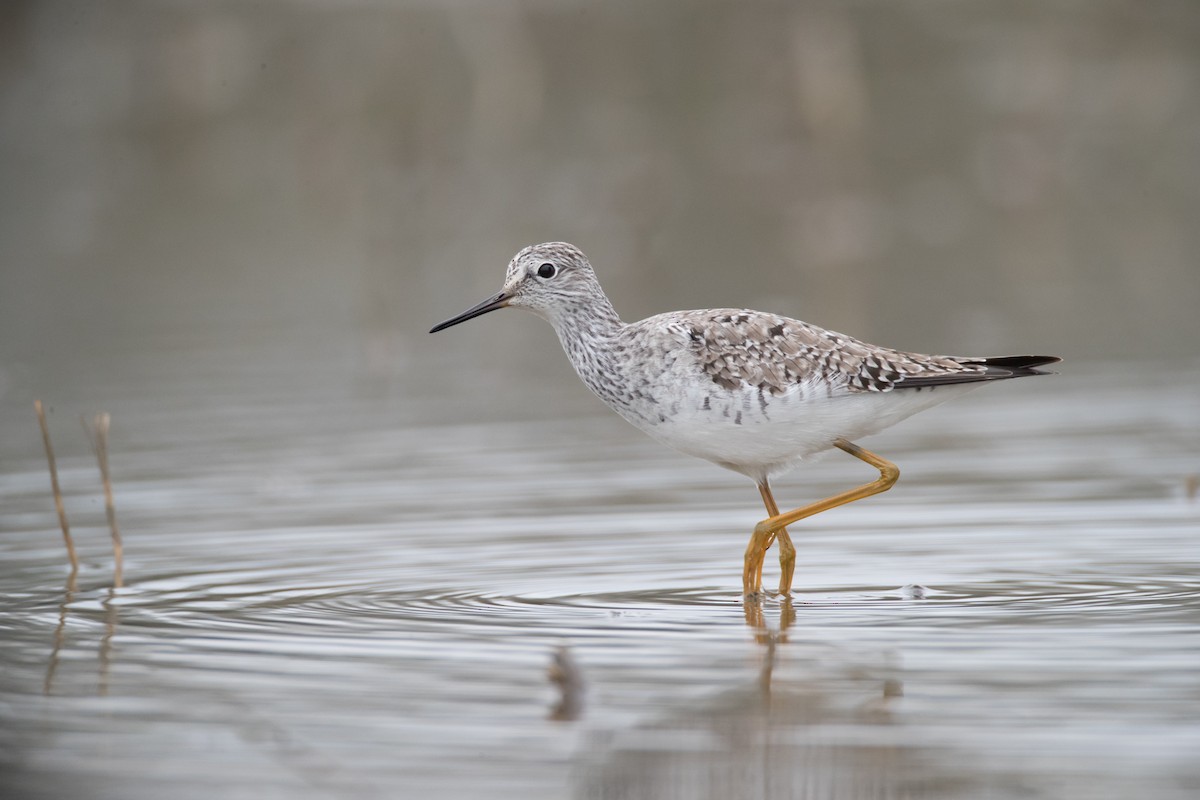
x=491, y=304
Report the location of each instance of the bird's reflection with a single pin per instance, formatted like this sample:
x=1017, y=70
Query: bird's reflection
x=757, y=621
x=772, y=736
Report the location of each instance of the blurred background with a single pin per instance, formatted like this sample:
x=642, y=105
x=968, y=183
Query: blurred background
x=352, y=548
x=935, y=176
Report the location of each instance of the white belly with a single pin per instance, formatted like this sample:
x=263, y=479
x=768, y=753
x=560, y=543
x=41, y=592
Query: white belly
x=762, y=436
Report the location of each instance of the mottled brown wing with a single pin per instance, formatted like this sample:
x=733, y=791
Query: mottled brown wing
x=736, y=347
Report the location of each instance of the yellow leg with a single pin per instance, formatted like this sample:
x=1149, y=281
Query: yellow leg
x=787, y=551
x=775, y=525
x=756, y=551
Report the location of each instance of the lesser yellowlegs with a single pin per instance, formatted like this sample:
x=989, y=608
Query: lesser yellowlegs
x=752, y=392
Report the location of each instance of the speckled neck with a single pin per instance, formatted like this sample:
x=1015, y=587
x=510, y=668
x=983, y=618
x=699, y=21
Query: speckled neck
x=588, y=329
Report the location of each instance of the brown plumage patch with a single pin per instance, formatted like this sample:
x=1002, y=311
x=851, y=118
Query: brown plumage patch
x=736, y=347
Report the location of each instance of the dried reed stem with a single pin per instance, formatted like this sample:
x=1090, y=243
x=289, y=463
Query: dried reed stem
x=99, y=436
x=58, y=501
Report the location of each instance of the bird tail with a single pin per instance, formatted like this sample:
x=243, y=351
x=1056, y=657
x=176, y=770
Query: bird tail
x=997, y=368
x=1014, y=366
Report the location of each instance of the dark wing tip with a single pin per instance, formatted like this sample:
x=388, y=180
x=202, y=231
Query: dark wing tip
x=1016, y=366
x=996, y=368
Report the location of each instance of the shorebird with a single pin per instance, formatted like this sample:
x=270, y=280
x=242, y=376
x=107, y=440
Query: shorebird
x=753, y=392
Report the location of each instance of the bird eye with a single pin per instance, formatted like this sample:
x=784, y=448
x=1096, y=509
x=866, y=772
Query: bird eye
x=546, y=271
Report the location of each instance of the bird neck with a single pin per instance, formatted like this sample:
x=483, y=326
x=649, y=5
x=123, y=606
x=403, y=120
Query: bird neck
x=588, y=332
x=588, y=320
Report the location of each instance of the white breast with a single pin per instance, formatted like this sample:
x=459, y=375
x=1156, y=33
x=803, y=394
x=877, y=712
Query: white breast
x=761, y=435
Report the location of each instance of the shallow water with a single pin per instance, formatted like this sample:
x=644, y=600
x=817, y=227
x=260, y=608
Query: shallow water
x=338, y=588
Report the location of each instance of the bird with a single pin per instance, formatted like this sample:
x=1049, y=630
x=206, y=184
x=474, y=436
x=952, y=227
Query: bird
x=753, y=392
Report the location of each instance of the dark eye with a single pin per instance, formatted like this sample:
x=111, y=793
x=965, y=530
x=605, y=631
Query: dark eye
x=546, y=271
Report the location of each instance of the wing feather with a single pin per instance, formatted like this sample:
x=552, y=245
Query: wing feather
x=738, y=347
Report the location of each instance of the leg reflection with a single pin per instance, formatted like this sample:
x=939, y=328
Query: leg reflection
x=757, y=621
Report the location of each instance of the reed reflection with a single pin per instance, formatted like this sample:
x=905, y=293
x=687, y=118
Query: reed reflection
x=111, y=618
x=565, y=674
x=60, y=632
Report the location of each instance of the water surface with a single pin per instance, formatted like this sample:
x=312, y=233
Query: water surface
x=338, y=588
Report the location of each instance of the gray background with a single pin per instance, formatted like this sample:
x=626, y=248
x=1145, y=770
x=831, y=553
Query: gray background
x=966, y=178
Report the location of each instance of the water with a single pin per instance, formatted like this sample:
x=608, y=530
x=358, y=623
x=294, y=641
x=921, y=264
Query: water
x=341, y=587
